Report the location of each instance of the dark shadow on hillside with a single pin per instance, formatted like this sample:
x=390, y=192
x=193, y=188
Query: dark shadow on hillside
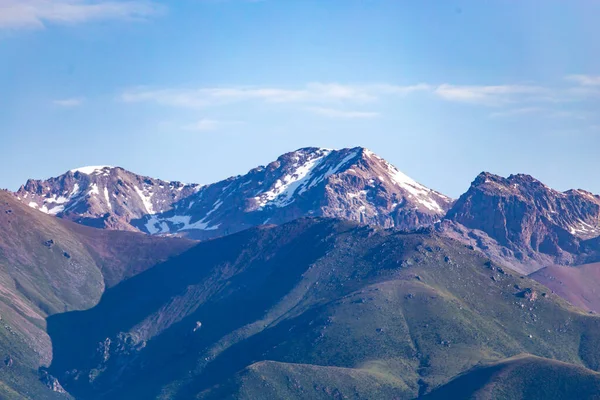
x=245, y=277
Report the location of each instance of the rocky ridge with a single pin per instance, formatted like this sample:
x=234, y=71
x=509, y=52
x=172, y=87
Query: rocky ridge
x=353, y=184
x=103, y=196
x=522, y=221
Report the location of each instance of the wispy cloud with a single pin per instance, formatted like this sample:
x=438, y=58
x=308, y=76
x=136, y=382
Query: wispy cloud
x=206, y=124
x=490, y=95
x=312, y=93
x=37, y=13
x=71, y=102
x=517, y=112
x=540, y=111
x=585, y=80
x=323, y=93
x=334, y=113
x=335, y=99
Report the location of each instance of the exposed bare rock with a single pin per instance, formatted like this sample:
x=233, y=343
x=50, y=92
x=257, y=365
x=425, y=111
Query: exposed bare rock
x=51, y=382
x=520, y=221
x=528, y=294
x=103, y=197
x=353, y=184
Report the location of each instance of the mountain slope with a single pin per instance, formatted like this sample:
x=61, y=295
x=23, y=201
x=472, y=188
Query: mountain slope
x=576, y=284
x=523, y=377
x=353, y=184
x=274, y=380
x=48, y=266
x=407, y=311
x=103, y=197
x=524, y=222
x=519, y=377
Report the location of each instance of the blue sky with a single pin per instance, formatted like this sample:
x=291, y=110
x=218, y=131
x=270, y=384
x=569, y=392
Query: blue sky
x=198, y=90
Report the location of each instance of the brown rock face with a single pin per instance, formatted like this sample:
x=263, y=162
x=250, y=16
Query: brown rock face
x=103, y=197
x=527, y=218
x=352, y=184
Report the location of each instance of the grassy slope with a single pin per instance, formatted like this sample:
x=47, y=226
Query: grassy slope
x=578, y=285
x=121, y=255
x=37, y=280
x=523, y=377
x=274, y=380
x=412, y=309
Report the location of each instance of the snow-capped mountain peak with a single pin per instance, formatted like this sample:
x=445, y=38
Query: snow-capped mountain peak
x=103, y=196
x=93, y=170
x=350, y=183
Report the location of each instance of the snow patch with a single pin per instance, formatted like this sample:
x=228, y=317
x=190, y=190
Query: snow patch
x=282, y=192
x=332, y=170
x=107, y=197
x=179, y=223
x=146, y=200
x=91, y=170
x=93, y=189
x=421, y=193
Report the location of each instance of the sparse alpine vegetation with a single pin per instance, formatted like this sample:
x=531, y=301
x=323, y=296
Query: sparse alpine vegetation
x=325, y=274
x=50, y=266
x=315, y=308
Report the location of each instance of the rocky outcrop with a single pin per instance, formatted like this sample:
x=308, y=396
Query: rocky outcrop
x=51, y=382
x=103, y=197
x=353, y=184
x=522, y=221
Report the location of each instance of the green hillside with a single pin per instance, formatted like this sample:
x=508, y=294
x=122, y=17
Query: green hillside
x=406, y=311
x=49, y=266
x=523, y=377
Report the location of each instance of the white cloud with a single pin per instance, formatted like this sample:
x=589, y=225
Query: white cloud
x=333, y=99
x=37, y=13
x=207, y=124
x=585, y=80
x=517, y=112
x=72, y=102
x=333, y=113
x=202, y=125
x=490, y=95
x=318, y=93
x=327, y=93
x=540, y=111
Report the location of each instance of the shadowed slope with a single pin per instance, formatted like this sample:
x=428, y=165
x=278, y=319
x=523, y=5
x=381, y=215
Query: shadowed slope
x=417, y=309
x=48, y=266
x=523, y=377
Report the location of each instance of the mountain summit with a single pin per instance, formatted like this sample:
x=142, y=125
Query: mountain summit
x=529, y=220
x=103, y=196
x=353, y=184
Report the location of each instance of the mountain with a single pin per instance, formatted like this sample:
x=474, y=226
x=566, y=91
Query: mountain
x=49, y=266
x=103, y=197
x=523, y=377
x=315, y=308
x=525, y=223
x=354, y=184
x=576, y=284
x=519, y=377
